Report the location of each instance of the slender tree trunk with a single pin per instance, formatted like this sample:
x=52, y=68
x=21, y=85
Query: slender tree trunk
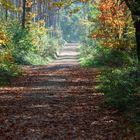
x=137, y=26
x=24, y=14
x=6, y=14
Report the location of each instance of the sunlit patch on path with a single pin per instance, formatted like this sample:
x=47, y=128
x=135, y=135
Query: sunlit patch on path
x=57, y=102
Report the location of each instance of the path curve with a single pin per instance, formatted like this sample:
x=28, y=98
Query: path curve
x=57, y=102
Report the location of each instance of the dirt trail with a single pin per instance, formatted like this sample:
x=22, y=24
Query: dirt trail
x=57, y=102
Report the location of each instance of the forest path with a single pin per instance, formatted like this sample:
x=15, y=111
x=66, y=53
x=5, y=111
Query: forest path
x=57, y=102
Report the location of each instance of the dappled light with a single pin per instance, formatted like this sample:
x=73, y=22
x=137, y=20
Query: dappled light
x=69, y=70
x=57, y=101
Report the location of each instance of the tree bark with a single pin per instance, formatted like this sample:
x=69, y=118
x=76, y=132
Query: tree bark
x=137, y=26
x=6, y=14
x=23, y=14
x=135, y=11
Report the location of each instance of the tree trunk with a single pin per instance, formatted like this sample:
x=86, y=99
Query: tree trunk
x=6, y=14
x=137, y=26
x=23, y=14
x=136, y=13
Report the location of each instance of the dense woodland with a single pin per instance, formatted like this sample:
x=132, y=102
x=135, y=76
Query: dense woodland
x=32, y=32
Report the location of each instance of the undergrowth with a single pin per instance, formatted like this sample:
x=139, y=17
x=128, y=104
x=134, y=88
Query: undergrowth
x=34, y=45
x=119, y=79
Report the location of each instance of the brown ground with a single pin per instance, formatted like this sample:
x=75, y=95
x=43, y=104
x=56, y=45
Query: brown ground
x=58, y=102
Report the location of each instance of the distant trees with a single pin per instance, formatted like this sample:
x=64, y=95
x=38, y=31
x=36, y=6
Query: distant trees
x=48, y=10
x=27, y=10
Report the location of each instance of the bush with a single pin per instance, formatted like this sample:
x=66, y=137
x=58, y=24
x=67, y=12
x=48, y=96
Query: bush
x=92, y=54
x=120, y=86
x=32, y=46
x=8, y=72
x=8, y=69
x=35, y=42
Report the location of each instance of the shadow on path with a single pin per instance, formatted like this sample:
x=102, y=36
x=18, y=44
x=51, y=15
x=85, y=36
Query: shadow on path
x=57, y=102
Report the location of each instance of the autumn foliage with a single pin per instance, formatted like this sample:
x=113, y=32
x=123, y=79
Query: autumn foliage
x=3, y=37
x=115, y=24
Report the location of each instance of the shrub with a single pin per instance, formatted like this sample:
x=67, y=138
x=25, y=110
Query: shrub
x=25, y=46
x=120, y=86
x=34, y=42
x=8, y=69
x=93, y=54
